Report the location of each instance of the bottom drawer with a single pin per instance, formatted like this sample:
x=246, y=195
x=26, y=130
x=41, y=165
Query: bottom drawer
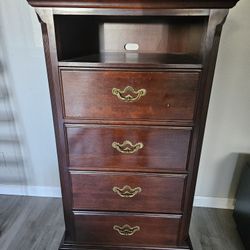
x=126, y=229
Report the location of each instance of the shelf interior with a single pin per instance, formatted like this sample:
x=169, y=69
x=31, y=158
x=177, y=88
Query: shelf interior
x=130, y=40
x=135, y=59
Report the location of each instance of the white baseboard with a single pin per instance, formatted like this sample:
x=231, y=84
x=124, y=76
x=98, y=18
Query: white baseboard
x=214, y=202
x=39, y=191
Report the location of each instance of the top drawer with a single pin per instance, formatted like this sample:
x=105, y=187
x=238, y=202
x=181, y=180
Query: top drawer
x=129, y=95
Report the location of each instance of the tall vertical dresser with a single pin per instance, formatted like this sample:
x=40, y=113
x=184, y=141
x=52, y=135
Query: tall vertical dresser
x=130, y=83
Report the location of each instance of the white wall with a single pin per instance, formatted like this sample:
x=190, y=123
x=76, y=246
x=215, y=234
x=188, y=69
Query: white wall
x=228, y=125
x=24, y=75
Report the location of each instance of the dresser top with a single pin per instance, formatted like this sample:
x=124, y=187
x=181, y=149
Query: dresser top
x=135, y=4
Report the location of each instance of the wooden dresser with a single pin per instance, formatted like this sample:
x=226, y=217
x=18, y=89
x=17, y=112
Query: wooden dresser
x=130, y=82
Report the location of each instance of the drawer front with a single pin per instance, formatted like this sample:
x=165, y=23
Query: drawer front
x=127, y=148
x=126, y=229
x=120, y=95
x=127, y=192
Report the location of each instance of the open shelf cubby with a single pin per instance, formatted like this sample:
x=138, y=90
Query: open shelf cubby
x=140, y=40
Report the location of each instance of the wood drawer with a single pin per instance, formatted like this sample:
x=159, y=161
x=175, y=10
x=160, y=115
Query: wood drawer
x=163, y=95
x=127, y=148
x=111, y=228
x=128, y=192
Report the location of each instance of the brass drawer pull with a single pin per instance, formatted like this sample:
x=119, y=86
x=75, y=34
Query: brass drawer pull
x=126, y=230
x=127, y=147
x=129, y=94
x=127, y=191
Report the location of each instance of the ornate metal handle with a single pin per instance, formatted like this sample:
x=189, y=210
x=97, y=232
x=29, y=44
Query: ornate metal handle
x=127, y=147
x=126, y=230
x=127, y=191
x=125, y=95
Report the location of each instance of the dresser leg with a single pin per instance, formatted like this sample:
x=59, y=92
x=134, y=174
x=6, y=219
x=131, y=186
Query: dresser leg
x=62, y=242
x=72, y=246
x=189, y=243
x=66, y=244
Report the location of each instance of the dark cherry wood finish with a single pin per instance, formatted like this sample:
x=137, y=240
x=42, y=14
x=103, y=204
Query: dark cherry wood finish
x=164, y=148
x=159, y=193
x=108, y=34
x=169, y=95
x=138, y=4
x=155, y=229
x=84, y=48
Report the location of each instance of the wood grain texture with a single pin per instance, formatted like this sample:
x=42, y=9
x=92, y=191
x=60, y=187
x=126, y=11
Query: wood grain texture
x=135, y=4
x=160, y=40
x=159, y=193
x=46, y=19
x=150, y=61
x=155, y=230
x=215, y=24
x=170, y=149
x=169, y=95
x=90, y=147
x=37, y=224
